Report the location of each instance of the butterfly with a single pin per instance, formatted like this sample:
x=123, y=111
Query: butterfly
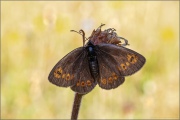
x=103, y=60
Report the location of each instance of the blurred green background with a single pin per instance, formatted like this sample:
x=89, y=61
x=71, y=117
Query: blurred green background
x=36, y=35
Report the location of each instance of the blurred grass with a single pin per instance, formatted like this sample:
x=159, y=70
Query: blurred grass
x=35, y=35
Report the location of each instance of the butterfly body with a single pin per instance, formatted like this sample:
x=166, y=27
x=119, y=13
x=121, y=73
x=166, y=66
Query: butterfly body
x=92, y=59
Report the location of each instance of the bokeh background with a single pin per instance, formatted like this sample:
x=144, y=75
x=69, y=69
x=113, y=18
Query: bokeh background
x=36, y=35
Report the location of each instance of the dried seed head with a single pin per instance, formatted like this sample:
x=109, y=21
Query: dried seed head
x=106, y=36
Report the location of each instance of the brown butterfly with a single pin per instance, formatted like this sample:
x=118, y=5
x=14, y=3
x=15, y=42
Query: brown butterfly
x=103, y=60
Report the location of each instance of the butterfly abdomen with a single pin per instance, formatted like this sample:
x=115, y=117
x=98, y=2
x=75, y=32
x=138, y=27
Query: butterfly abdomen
x=93, y=63
x=94, y=68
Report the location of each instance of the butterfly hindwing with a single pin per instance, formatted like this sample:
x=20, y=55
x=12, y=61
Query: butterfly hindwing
x=127, y=61
x=109, y=75
x=64, y=73
x=85, y=80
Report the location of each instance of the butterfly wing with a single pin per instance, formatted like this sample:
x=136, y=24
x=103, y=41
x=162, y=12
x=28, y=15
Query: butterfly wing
x=125, y=60
x=109, y=75
x=116, y=62
x=64, y=73
x=85, y=81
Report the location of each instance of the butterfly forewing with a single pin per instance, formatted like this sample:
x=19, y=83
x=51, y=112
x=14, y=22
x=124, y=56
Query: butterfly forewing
x=64, y=73
x=126, y=61
x=85, y=81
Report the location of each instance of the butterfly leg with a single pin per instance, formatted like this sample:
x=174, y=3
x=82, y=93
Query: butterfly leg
x=125, y=42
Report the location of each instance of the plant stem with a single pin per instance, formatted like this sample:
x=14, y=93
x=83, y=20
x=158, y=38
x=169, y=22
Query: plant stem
x=76, y=106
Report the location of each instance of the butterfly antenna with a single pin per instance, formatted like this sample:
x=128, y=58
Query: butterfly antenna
x=81, y=32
